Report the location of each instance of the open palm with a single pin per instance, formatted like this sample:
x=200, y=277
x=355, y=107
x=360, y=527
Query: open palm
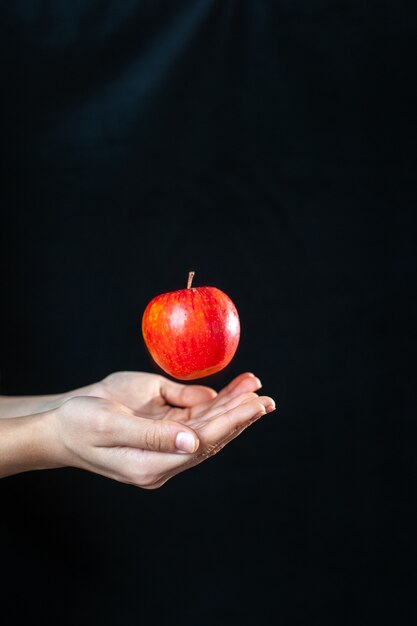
x=124, y=402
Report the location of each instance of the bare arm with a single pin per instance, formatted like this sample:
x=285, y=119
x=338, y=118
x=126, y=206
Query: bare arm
x=161, y=429
x=24, y=444
x=17, y=406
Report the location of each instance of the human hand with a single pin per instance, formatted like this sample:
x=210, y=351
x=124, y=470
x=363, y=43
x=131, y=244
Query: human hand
x=134, y=441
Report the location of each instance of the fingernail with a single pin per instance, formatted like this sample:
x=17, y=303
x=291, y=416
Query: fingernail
x=270, y=407
x=185, y=442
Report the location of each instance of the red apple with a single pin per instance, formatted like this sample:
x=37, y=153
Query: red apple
x=192, y=332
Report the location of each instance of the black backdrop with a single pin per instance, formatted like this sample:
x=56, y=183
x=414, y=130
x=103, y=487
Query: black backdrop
x=270, y=147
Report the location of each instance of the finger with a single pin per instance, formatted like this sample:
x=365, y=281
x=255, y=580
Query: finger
x=181, y=395
x=215, y=431
x=235, y=433
x=217, y=408
x=151, y=470
x=246, y=382
x=153, y=435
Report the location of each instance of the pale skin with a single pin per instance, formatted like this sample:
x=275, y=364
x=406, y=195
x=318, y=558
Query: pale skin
x=134, y=427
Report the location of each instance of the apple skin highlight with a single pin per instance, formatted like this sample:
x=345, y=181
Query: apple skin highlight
x=191, y=333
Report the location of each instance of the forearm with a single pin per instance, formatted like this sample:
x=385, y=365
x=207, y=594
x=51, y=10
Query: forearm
x=18, y=406
x=25, y=444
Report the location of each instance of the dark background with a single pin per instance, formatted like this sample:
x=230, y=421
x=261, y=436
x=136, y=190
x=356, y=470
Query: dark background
x=270, y=147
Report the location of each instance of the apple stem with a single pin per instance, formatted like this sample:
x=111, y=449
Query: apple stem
x=190, y=279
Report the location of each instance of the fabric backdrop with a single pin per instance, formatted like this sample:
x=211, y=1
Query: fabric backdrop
x=270, y=147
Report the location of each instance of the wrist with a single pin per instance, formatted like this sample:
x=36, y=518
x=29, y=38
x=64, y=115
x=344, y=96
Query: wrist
x=27, y=443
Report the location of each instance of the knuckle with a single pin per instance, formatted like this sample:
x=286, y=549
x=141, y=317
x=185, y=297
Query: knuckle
x=260, y=409
x=153, y=438
x=211, y=450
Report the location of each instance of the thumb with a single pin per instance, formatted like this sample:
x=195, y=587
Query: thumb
x=178, y=394
x=154, y=435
